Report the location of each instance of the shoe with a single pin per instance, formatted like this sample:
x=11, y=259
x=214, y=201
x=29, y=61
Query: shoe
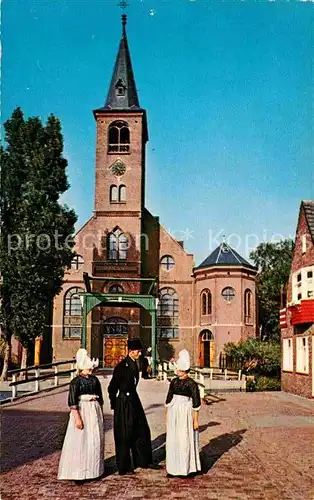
x=153, y=466
x=129, y=473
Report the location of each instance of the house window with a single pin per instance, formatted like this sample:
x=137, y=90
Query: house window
x=168, y=314
x=116, y=289
x=117, y=194
x=303, y=284
x=77, y=262
x=228, y=293
x=72, y=313
x=118, y=245
x=167, y=262
x=303, y=243
x=287, y=353
x=248, y=315
x=115, y=326
x=119, y=137
x=206, y=302
x=302, y=355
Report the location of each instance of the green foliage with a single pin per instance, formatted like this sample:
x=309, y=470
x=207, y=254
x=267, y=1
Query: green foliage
x=267, y=384
x=36, y=230
x=256, y=356
x=273, y=261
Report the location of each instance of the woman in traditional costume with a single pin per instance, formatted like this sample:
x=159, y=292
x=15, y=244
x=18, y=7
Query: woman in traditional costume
x=82, y=454
x=182, y=409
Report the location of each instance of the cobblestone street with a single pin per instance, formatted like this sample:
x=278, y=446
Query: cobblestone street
x=254, y=446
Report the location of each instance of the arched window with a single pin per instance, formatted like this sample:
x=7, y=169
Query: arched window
x=248, y=305
x=228, y=293
x=115, y=326
x=114, y=196
x=168, y=314
x=207, y=336
x=116, y=289
x=167, y=262
x=206, y=302
x=77, y=262
x=122, y=193
x=72, y=313
x=118, y=137
x=118, y=245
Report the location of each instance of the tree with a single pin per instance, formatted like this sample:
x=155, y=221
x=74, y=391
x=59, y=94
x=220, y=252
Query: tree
x=273, y=261
x=36, y=230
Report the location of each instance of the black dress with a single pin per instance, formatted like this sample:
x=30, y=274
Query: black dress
x=84, y=385
x=131, y=431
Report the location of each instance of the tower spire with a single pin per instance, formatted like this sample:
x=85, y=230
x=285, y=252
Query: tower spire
x=122, y=92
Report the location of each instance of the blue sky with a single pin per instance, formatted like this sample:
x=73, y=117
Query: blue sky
x=228, y=88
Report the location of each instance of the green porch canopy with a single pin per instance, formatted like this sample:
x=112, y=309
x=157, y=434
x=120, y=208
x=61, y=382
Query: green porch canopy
x=148, y=301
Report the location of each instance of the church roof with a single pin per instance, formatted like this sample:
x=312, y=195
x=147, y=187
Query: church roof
x=122, y=94
x=224, y=255
x=308, y=206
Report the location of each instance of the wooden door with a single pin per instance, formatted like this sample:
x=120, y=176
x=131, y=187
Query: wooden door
x=115, y=349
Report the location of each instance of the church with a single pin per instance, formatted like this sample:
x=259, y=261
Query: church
x=125, y=251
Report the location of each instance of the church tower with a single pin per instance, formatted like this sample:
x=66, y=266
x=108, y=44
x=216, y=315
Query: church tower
x=121, y=140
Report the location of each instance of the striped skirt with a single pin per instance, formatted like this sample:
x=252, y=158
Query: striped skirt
x=82, y=455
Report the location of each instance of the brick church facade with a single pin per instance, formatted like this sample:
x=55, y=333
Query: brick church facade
x=199, y=308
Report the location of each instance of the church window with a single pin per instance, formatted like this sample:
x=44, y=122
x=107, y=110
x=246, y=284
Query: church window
x=120, y=87
x=115, y=326
x=119, y=137
x=114, y=193
x=228, y=293
x=248, y=306
x=206, y=302
x=77, y=262
x=168, y=314
x=116, y=289
x=72, y=313
x=122, y=193
x=167, y=262
x=118, y=245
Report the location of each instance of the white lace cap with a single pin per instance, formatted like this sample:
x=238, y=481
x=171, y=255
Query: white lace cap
x=183, y=363
x=84, y=362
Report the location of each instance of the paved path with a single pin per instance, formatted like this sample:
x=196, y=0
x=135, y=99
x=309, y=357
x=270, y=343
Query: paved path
x=255, y=446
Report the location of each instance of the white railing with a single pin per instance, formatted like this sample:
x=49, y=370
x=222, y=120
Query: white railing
x=164, y=372
x=38, y=378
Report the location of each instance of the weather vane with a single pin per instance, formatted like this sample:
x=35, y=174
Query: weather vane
x=123, y=4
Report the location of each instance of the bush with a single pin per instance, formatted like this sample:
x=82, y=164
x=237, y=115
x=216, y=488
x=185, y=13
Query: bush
x=255, y=356
x=267, y=384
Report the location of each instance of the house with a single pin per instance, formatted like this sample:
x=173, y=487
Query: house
x=297, y=317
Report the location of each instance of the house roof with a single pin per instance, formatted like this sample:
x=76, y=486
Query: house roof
x=224, y=255
x=308, y=206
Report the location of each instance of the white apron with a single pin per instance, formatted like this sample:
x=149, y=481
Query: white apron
x=182, y=442
x=82, y=454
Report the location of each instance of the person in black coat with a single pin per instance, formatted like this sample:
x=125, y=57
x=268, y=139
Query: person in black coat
x=131, y=431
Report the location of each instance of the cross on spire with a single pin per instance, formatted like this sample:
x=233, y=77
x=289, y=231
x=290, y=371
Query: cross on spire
x=123, y=4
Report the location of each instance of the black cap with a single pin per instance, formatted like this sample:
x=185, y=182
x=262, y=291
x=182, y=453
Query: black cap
x=134, y=344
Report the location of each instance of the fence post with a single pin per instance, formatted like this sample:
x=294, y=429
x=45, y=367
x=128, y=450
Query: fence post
x=226, y=374
x=72, y=375
x=211, y=373
x=14, y=387
x=37, y=372
x=56, y=376
x=240, y=373
x=202, y=387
